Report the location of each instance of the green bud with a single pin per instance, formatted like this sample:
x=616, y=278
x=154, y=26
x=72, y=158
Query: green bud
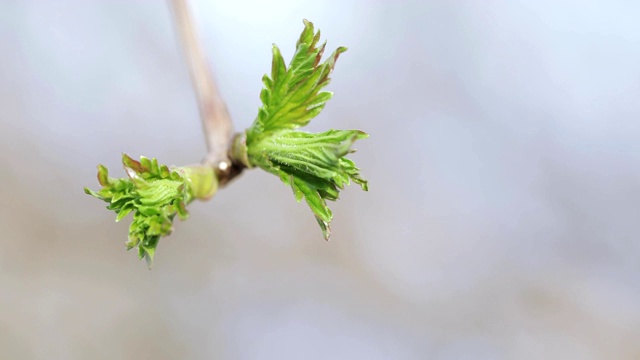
x=155, y=194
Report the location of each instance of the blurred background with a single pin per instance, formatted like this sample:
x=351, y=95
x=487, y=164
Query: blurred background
x=502, y=220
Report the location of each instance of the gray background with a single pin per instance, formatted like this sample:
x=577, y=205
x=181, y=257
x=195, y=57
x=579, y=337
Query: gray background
x=502, y=221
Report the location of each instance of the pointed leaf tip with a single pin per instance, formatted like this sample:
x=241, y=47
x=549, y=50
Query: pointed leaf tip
x=326, y=228
x=103, y=175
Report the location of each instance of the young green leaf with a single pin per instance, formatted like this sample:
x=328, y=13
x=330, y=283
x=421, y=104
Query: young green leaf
x=314, y=165
x=155, y=194
x=291, y=96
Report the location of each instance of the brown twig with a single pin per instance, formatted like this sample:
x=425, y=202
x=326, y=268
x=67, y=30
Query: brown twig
x=216, y=122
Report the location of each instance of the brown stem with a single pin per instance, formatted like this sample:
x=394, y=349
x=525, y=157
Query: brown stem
x=216, y=122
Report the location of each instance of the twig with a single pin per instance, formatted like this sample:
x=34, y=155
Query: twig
x=216, y=122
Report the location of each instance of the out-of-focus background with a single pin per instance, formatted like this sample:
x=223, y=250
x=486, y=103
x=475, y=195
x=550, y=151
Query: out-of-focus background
x=503, y=219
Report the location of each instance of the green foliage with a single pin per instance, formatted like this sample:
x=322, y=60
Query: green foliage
x=153, y=192
x=291, y=97
x=314, y=165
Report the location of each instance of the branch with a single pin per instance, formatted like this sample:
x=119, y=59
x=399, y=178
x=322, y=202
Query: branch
x=216, y=122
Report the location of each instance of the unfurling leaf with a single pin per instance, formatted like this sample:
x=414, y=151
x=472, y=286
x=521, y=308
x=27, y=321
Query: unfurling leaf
x=155, y=194
x=314, y=165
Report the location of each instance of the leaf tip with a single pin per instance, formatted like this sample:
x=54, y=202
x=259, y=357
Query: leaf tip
x=365, y=186
x=149, y=261
x=361, y=135
x=103, y=175
x=325, y=226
